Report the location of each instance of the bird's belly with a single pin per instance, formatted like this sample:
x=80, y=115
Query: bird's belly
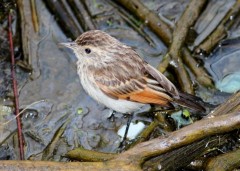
x=119, y=105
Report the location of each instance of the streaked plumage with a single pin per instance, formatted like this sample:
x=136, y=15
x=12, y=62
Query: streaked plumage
x=114, y=75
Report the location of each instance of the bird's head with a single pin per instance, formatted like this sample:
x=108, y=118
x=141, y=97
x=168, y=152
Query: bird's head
x=94, y=46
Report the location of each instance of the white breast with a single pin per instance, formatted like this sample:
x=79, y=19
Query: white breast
x=122, y=106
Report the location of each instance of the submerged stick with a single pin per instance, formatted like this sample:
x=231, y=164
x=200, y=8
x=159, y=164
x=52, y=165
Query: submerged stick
x=150, y=19
x=221, y=31
x=200, y=73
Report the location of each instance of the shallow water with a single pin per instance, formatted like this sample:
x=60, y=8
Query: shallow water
x=59, y=98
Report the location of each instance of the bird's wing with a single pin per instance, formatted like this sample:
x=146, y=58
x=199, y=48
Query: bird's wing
x=133, y=83
x=162, y=81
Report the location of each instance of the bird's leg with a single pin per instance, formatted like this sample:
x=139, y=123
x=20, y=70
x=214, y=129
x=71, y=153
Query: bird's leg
x=130, y=117
x=123, y=143
x=111, y=116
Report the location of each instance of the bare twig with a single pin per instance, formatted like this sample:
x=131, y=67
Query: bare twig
x=15, y=90
x=34, y=15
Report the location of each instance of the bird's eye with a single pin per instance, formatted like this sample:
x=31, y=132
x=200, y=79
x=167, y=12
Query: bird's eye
x=87, y=50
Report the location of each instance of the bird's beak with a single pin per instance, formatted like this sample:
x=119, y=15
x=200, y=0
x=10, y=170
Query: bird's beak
x=71, y=45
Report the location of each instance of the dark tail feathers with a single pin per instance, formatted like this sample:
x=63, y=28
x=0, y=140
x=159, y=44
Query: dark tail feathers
x=191, y=101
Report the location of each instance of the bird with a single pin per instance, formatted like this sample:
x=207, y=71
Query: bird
x=114, y=75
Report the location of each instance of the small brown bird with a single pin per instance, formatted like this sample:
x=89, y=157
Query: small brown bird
x=113, y=74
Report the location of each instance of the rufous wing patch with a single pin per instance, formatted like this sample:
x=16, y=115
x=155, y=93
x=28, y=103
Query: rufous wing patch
x=151, y=97
x=146, y=95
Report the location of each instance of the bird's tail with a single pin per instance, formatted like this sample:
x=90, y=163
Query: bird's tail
x=192, y=102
